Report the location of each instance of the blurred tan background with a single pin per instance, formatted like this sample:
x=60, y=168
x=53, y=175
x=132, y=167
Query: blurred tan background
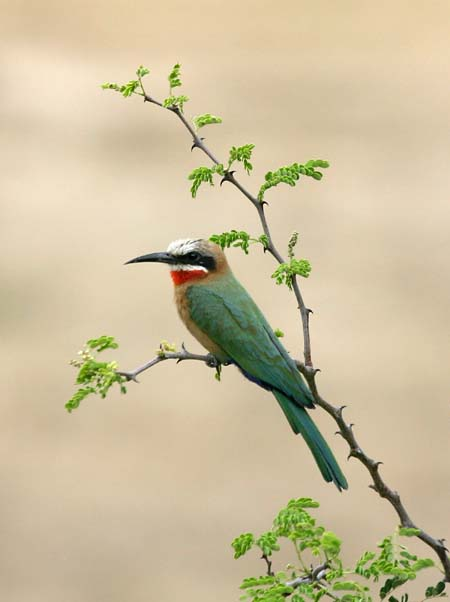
x=138, y=497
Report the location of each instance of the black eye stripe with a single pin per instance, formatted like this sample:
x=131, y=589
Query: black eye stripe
x=194, y=258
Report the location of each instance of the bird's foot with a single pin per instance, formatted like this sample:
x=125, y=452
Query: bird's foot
x=212, y=361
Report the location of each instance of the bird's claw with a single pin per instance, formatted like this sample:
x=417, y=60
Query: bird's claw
x=212, y=361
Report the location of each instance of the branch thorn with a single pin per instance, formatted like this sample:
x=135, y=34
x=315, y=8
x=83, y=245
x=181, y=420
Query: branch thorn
x=227, y=177
x=340, y=410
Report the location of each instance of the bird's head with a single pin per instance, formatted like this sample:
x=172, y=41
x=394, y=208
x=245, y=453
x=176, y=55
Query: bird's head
x=189, y=259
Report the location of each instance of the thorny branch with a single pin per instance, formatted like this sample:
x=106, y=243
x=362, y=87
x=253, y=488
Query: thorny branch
x=306, y=368
x=179, y=356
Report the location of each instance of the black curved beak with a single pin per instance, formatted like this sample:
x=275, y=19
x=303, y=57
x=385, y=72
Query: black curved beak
x=154, y=257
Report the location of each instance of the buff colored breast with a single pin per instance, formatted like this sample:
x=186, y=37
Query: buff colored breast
x=182, y=304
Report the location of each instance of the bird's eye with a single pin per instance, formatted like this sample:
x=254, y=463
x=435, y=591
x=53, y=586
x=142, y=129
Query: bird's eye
x=193, y=256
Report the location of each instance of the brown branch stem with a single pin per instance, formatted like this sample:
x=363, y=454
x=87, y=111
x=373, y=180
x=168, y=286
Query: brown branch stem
x=268, y=562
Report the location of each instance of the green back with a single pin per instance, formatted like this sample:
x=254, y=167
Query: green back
x=227, y=314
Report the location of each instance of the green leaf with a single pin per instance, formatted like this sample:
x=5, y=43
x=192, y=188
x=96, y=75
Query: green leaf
x=268, y=543
x=297, y=598
x=253, y=581
x=237, y=238
x=206, y=119
x=436, y=591
x=97, y=377
x=77, y=398
x=174, y=77
x=198, y=176
x=408, y=555
x=218, y=373
x=422, y=563
x=285, y=272
x=102, y=343
x=391, y=584
x=294, y=521
x=130, y=88
x=166, y=347
x=408, y=531
x=243, y=544
x=233, y=238
x=290, y=174
x=111, y=86
x=330, y=543
x=317, y=163
x=347, y=585
x=300, y=267
x=365, y=558
x=278, y=333
x=142, y=71
x=242, y=154
x=264, y=240
x=173, y=102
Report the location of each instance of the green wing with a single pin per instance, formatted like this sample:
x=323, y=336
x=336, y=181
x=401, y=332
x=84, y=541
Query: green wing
x=226, y=313
x=234, y=322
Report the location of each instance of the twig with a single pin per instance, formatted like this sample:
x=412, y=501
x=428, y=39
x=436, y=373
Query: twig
x=162, y=356
x=307, y=369
x=316, y=574
x=270, y=573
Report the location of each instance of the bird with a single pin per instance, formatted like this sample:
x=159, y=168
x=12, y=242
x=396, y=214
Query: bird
x=219, y=312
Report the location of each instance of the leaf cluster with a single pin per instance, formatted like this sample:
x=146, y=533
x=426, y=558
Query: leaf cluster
x=96, y=377
x=393, y=564
x=175, y=102
x=285, y=272
x=206, y=119
x=290, y=174
x=242, y=154
x=202, y=175
x=134, y=86
x=238, y=238
x=166, y=347
x=174, y=77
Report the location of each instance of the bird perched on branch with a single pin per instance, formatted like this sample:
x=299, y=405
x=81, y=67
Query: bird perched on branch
x=222, y=316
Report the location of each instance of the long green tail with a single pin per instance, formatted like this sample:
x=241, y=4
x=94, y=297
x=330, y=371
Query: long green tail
x=302, y=423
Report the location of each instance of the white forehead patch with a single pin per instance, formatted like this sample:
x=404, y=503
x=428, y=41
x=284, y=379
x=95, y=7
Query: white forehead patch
x=183, y=246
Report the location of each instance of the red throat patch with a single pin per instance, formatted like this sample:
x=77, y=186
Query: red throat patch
x=182, y=276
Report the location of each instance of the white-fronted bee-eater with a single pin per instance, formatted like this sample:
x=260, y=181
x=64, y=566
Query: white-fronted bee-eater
x=221, y=315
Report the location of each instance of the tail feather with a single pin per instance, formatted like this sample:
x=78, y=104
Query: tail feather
x=302, y=423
